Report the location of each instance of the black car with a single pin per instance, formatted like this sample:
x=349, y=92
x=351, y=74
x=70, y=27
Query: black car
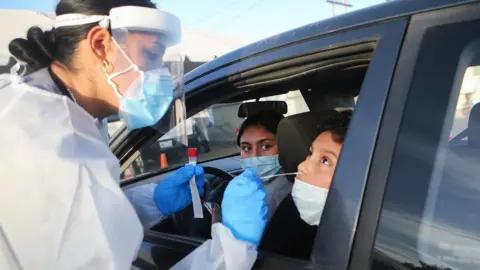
x=403, y=196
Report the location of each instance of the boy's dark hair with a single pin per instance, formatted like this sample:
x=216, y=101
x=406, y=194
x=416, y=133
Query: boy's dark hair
x=337, y=124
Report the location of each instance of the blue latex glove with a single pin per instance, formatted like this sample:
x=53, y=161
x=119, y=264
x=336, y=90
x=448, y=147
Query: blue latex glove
x=244, y=210
x=173, y=193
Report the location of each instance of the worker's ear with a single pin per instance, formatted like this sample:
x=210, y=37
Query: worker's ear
x=100, y=41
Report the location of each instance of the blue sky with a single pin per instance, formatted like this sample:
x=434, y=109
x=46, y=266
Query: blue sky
x=248, y=20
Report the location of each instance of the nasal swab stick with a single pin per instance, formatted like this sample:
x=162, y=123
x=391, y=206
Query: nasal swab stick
x=197, y=204
x=281, y=174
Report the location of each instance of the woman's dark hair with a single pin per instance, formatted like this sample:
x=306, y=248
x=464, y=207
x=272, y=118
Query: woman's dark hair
x=266, y=119
x=338, y=125
x=41, y=48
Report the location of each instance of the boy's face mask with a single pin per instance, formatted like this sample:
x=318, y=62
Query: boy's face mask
x=310, y=201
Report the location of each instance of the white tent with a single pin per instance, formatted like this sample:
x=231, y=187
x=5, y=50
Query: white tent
x=198, y=45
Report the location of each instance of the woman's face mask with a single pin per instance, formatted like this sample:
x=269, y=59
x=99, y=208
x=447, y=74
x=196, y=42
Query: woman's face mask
x=265, y=166
x=144, y=102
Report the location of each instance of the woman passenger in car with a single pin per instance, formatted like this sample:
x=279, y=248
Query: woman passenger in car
x=258, y=149
x=293, y=227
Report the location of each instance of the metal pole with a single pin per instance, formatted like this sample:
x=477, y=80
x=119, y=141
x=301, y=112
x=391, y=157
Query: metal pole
x=339, y=3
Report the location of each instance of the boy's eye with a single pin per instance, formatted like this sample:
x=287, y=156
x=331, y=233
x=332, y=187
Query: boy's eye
x=325, y=161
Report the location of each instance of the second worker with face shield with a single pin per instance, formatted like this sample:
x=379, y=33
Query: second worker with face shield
x=60, y=203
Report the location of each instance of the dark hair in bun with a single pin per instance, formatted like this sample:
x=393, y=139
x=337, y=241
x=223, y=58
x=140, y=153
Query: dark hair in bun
x=35, y=50
x=41, y=48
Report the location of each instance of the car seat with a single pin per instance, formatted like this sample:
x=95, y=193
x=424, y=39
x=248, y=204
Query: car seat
x=297, y=132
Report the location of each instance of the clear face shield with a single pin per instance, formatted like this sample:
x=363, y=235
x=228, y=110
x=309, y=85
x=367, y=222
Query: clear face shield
x=148, y=79
x=146, y=70
x=147, y=76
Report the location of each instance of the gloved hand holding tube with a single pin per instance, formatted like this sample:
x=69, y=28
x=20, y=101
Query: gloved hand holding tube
x=244, y=210
x=173, y=193
x=244, y=216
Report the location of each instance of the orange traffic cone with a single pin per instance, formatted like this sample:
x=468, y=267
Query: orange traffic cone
x=163, y=161
x=128, y=173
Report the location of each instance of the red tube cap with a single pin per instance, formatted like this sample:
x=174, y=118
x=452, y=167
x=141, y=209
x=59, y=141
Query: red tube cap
x=192, y=152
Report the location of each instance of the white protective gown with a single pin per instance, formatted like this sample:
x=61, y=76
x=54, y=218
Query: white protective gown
x=60, y=203
x=61, y=206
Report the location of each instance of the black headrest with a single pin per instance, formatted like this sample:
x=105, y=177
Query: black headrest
x=297, y=132
x=473, y=131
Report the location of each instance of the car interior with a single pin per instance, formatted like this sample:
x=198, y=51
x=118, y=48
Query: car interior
x=299, y=128
x=328, y=80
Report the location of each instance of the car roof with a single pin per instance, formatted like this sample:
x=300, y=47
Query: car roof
x=370, y=15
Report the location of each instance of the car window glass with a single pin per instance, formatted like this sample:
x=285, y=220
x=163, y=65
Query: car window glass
x=449, y=232
x=212, y=131
x=447, y=235
x=429, y=217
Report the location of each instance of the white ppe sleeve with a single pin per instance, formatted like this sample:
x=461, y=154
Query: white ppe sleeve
x=61, y=206
x=222, y=252
x=141, y=198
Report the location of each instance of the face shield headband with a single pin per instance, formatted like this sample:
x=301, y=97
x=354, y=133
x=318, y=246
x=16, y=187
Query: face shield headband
x=130, y=17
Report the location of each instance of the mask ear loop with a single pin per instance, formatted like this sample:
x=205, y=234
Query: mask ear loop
x=106, y=67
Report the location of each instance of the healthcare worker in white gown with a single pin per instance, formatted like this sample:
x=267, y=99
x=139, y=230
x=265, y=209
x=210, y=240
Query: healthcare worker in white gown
x=61, y=206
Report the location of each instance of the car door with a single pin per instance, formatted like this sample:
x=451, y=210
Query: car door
x=420, y=208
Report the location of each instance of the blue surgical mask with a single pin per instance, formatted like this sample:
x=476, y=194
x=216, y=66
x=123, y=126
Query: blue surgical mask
x=147, y=99
x=265, y=165
x=150, y=106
